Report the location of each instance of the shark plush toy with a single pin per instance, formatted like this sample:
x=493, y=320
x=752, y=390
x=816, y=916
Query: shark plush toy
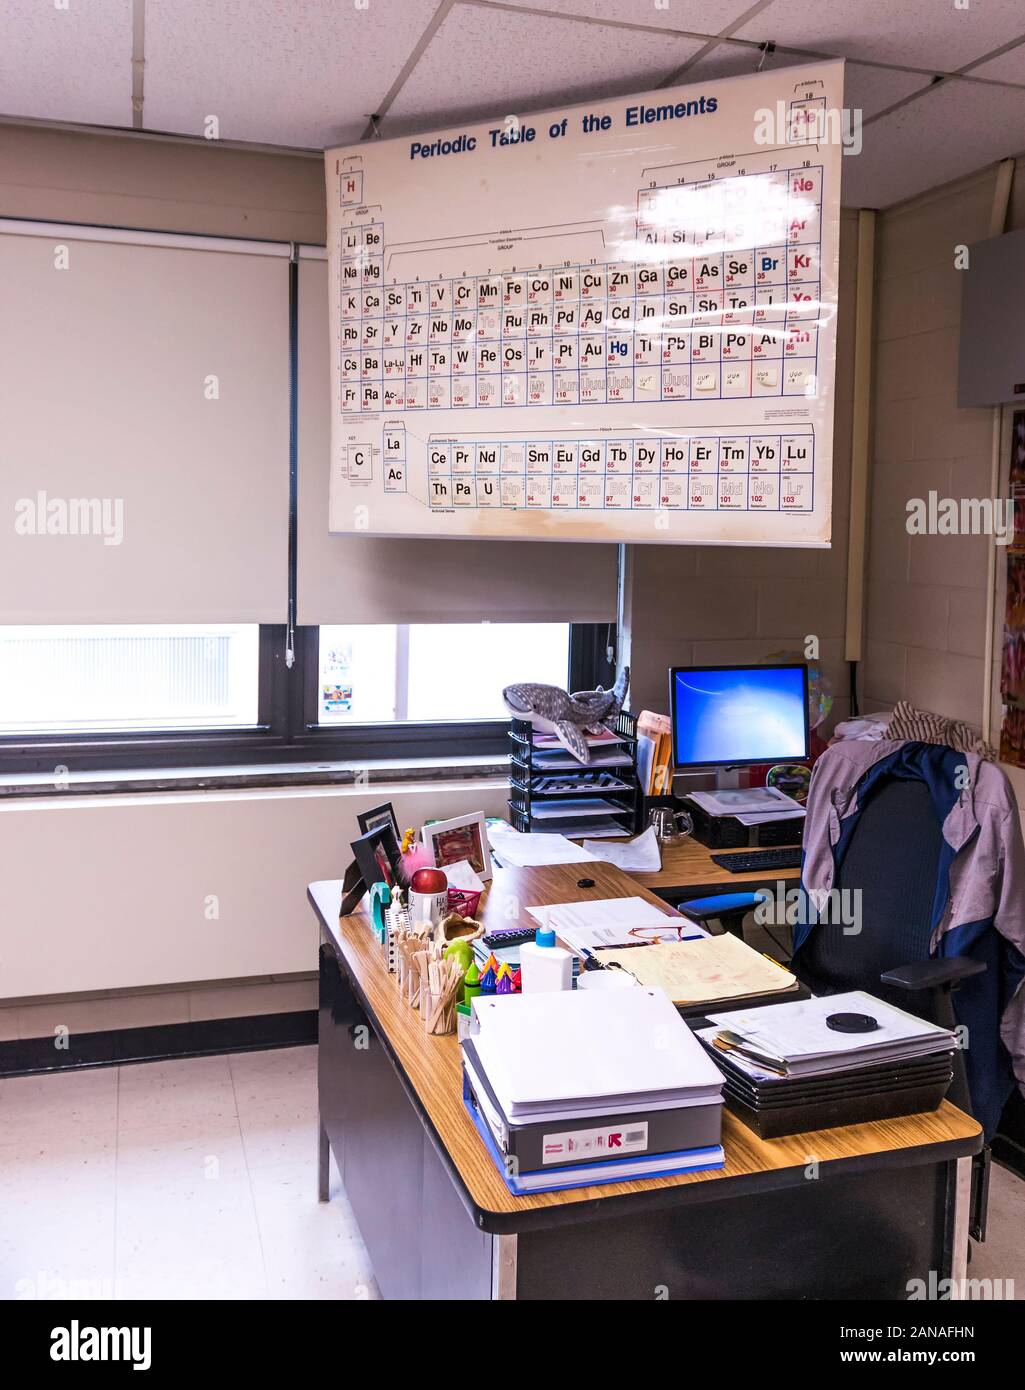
x=569, y=717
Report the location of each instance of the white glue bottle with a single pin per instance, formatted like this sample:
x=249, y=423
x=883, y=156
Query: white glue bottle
x=545, y=967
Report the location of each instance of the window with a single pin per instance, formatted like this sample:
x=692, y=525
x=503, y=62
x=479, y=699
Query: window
x=84, y=679
x=93, y=698
x=426, y=673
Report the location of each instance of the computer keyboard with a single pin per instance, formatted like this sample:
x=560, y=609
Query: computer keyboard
x=748, y=861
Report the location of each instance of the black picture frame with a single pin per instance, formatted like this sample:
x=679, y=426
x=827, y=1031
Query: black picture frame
x=379, y=815
x=377, y=856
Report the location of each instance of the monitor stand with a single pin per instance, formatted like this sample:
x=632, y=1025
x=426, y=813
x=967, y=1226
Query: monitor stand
x=727, y=778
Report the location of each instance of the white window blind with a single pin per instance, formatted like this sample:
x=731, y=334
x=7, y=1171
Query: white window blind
x=56, y=679
x=143, y=428
x=354, y=579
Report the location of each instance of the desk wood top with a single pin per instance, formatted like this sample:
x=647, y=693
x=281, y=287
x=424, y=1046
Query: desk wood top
x=433, y=1066
x=687, y=864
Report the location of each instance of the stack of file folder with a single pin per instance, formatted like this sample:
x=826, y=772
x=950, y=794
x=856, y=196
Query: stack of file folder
x=789, y=1068
x=575, y=1088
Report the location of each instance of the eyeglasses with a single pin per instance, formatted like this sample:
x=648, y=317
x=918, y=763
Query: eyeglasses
x=682, y=930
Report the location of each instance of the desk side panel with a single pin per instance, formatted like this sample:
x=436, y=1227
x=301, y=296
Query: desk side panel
x=865, y=1236
x=376, y=1136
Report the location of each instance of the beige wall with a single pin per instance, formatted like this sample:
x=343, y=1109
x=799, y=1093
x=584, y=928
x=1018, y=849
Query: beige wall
x=118, y=892
x=160, y=185
x=926, y=598
x=724, y=604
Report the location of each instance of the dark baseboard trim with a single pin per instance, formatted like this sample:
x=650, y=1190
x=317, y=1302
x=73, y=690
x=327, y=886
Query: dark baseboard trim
x=122, y=1046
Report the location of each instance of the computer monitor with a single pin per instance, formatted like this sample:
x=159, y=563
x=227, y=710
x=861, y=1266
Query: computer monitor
x=728, y=716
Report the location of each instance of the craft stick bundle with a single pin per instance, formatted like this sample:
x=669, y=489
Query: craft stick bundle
x=439, y=995
x=410, y=944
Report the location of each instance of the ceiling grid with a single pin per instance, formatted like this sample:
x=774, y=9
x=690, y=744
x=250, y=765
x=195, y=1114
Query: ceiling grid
x=313, y=74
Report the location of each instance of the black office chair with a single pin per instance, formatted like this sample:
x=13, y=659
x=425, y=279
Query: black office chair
x=893, y=857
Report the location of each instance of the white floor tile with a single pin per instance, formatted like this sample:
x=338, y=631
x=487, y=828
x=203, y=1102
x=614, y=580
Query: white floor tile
x=158, y=1097
x=287, y=1073
x=57, y=1227
x=197, y=1151
x=56, y=1106
x=1000, y=1259
x=311, y=1249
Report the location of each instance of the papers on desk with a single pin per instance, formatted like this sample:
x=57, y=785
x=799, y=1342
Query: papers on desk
x=571, y=1089
x=553, y=761
x=558, y=1056
x=605, y=739
x=750, y=805
x=702, y=972
x=463, y=875
x=591, y=830
x=574, y=808
x=525, y=851
x=640, y=856
x=609, y=922
x=796, y=1040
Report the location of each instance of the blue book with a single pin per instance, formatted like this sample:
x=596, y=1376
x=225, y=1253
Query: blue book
x=589, y=1174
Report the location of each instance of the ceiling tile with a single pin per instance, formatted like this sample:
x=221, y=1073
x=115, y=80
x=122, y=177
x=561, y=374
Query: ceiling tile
x=274, y=70
x=866, y=89
x=484, y=64
x=956, y=128
x=913, y=33
x=67, y=65
x=694, y=16
x=871, y=90
x=1009, y=67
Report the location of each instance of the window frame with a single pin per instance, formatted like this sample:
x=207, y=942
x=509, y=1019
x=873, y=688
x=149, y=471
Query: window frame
x=287, y=730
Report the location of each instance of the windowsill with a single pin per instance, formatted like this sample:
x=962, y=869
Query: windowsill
x=311, y=774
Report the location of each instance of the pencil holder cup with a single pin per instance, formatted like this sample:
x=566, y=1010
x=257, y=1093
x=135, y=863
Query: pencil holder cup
x=413, y=988
x=438, y=1012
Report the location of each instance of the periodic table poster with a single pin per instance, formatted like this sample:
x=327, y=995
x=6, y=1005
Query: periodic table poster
x=607, y=322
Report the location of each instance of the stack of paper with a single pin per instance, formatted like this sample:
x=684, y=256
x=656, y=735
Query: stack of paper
x=751, y=805
x=561, y=761
x=796, y=1039
x=574, y=808
x=787, y=1070
x=523, y=851
x=599, y=922
x=709, y=971
x=606, y=737
x=640, y=856
x=582, y=1088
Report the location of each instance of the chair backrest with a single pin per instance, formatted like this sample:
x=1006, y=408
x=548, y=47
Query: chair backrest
x=893, y=859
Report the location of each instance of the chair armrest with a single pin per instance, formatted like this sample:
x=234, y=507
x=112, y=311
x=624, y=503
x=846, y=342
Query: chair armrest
x=946, y=971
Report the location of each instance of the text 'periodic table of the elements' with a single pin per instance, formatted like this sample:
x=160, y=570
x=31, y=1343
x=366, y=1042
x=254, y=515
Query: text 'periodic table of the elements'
x=609, y=322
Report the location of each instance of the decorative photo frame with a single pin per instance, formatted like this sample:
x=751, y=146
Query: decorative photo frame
x=377, y=856
x=462, y=837
x=379, y=815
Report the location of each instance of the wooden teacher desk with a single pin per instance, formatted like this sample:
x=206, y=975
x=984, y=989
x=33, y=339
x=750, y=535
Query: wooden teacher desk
x=852, y=1212
x=688, y=866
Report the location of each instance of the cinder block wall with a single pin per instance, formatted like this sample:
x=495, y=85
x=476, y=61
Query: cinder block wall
x=926, y=596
